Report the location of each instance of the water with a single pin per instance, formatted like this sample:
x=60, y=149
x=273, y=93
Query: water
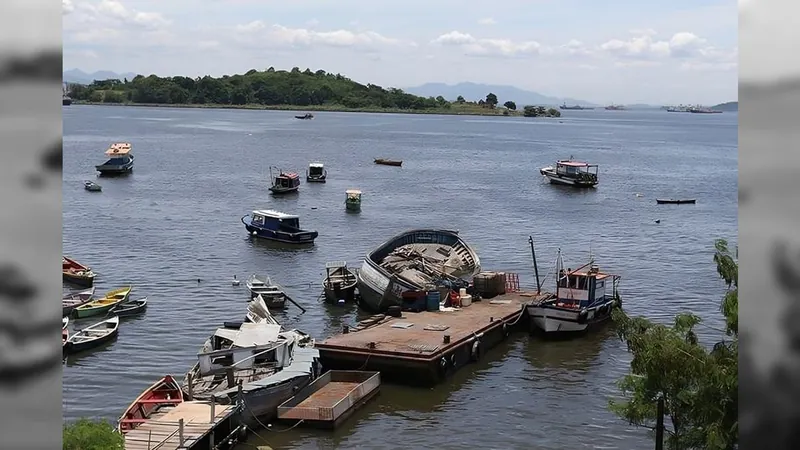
x=197, y=172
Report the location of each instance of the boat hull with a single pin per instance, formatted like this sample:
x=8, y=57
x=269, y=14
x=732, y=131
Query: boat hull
x=564, y=181
x=378, y=289
x=302, y=237
x=346, y=293
x=551, y=319
x=128, y=309
x=165, y=392
x=353, y=206
x=675, y=202
x=82, y=313
x=388, y=162
x=281, y=190
x=75, y=347
x=116, y=169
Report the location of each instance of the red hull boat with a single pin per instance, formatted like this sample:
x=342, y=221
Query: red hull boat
x=76, y=273
x=165, y=392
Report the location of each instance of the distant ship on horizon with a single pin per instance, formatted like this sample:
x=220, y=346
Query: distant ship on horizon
x=577, y=107
x=613, y=107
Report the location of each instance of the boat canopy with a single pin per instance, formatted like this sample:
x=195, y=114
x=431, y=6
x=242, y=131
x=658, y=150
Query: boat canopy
x=119, y=149
x=571, y=163
x=335, y=264
x=353, y=193
x=272, y=214
x=290, y=175
x=316, y=165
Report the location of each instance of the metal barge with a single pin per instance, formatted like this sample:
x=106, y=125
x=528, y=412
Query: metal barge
x=424, y=348
x=413, y=261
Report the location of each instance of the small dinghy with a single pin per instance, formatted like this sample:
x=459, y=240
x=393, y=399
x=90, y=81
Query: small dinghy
x=91, y=186
x=388, y=162
x=103, y=305
x=306, y=116
x=164, y=393
x=129, y=308
x=74, y=299
x=672, y=201
x=93, y=335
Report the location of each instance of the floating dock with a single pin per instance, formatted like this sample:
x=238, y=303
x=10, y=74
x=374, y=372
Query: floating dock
x=426, y=347
x=189, y=425
x=331, y=398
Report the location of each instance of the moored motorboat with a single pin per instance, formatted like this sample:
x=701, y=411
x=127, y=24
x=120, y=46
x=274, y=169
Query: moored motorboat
x=306, y=116
x=339, y=283
x=103, y=305
x=411, y=261
x=672, y=201
x=72, y=300
x=352, y=201
x=316, y=173
x=93, y=335
x=278, y=226
x=161, y=395
x=91, y=186
x=272, y=294
x=120, y=160
x=284, y=182
x=571, y=173
x=129, y=308
x=76, y=273
x=584, y=297
x=388, y=162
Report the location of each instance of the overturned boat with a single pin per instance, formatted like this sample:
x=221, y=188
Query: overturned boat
x=415, y=260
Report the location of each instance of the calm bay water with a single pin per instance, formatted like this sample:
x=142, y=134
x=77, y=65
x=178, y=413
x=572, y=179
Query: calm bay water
x=197, y=172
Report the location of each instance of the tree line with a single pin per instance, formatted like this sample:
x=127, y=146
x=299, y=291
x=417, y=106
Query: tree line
x=269, y=88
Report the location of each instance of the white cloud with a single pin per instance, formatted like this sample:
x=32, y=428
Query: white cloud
x=67, y=7
x=257, y=34
x=110, y=22
x=644, y=49
x=487, y=21
x=487, y=47
x=115, y=11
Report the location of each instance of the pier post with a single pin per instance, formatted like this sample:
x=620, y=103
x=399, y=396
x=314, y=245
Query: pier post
x=231, y=380
x=213, y=407
x=190, y=381
x=180, y=432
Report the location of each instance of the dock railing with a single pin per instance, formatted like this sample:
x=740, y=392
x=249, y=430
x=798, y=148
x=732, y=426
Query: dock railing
x=193, y=429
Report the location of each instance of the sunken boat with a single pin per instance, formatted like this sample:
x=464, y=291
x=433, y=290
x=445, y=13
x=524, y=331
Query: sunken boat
x=416, y=260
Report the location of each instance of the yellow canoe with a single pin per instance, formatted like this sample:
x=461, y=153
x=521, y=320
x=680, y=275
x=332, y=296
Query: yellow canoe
x=103, y=305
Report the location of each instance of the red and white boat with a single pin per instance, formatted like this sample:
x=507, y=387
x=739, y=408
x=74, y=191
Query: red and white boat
x=164, y=393
x=76, y=273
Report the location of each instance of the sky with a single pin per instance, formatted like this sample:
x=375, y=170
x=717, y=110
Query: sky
x=620, y=51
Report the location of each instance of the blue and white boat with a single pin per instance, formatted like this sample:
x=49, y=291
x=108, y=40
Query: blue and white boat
x=120, y=160
x=277, y=226
x=584, y=298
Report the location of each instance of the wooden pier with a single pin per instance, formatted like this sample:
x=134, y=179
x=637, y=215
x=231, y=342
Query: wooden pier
x=426, y=347
x=189, y=425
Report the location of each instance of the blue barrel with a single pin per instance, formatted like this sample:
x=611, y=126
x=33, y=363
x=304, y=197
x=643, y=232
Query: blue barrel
x=433, y=300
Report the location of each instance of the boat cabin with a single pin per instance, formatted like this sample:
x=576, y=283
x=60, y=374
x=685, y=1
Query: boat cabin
x=275, y=220
x=316, y=170
x=286, y=180
x=582, y=288
x=119, y=150
x=576, y=169
x=353, y=195
x=253, y=344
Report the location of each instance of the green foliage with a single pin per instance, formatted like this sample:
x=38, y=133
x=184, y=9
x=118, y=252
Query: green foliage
x=460, y=99
x=87, y=434
x=699, y=386
x=539, y=111
x=491, y=100
x=510, y=105
x=269, y=88
x=552, y=112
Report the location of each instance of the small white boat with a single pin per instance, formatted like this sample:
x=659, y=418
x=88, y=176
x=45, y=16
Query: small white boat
x=272, y=294
x=91, y=186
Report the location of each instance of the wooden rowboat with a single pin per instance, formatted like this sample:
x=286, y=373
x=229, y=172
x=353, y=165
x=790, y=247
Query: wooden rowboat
x=388, y=162
x=103, y=305
x=74, y=299
x=129, y=308
x=93, y=335
x=664, y=201
x=76, y=273
x=164, y=393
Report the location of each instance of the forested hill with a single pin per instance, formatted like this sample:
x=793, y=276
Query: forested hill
x=270, y=87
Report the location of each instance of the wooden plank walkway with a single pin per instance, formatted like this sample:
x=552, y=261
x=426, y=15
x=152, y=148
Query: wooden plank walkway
x=161, y=432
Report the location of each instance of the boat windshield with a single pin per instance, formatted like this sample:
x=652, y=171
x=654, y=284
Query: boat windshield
x=316, y=171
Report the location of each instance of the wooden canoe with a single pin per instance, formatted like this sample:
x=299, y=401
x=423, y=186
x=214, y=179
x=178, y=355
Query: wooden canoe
x=74, y=299
x=164, y=393
x=103, y=305
x=76, y=273
x=93, y=335
x=388, y=162
x=665, y=201
x=129, y=308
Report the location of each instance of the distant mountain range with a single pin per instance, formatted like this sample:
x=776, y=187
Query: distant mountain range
x=474, y=92
x=80, y=77
x=727, y=106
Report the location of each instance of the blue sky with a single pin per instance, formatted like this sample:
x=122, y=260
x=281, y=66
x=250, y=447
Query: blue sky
x=620, y=51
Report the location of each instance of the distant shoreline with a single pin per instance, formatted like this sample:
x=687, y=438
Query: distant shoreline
x=455, y=110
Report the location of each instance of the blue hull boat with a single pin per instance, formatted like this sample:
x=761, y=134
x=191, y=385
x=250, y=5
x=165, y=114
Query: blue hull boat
x=277, y=226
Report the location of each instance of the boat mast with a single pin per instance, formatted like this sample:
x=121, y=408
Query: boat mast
x=535, y=267
x=559, y=263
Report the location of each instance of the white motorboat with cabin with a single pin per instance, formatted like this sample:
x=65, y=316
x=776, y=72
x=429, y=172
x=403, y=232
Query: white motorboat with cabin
x=569, y=172
x=584, y=297
x=316, y=173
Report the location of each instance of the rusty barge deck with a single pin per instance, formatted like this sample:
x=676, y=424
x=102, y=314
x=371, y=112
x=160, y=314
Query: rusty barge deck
x=425, y=348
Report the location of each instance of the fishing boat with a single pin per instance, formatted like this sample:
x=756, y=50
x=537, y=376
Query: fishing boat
x=316, y=173
x=163, y=395
x=352, y=201
x=575, y=107
x=272, y=365
x=584, y=298
x=411, y=261
x=72, y=300
x=93, y=335
x=340, y=282
x=272, y=294
x=571, y=173
x=306, y=116
x=615, y=108
x=284, y=182
x=91, y=186
x=129, y=308
x=120, y=160
x=76, y=273
x=672, y=201
x=388, y=162
x=277, y=226
x=103, y=305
